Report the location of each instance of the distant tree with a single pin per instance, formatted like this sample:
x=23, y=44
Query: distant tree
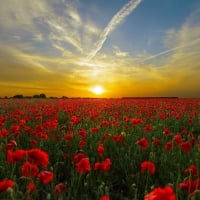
x=18, y=96
x=53, y=97
x=43, y=96
x=28, y=97
x=36, y=96
x=64, y=97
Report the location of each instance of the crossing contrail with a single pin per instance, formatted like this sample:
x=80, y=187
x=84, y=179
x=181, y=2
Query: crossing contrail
x=114, y=22
x=172, y=49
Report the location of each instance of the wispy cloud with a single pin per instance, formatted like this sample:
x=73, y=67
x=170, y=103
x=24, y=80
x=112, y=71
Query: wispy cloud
x=191, y=43
x=115, y=21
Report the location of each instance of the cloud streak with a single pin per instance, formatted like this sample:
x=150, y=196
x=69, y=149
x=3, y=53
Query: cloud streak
x=172, y=49
x=115, y=21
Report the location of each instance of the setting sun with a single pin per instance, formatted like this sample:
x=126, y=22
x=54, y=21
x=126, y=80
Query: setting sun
x=97, y=89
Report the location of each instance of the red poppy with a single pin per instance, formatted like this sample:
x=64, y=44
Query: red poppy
x=29, y=170
x=148, y=166
x=190, y=185
x=166, y=193
x=94, y=130
x=75, y=119
x=186, y=146
x=156, y=142
x=45, y=177
x=105, y=197
x=3, y=133
x=143, y=142
x=59, y=188
x=103, y=166
x=38, y=157
x=5, y=184
x=148, y=128
x=192, y=169
x=31, y=188
x=118, y=138
x=11, y=144
x=83, y=166
x=33, y=142
x=82, y=142
x=69, y=136
x=15, y=129
x=77, y=157
x=82, y=132
x=105, y=123
x=2, y=120
x=166, y=131
x=100, y=150
x=178, y=139
x=169, y=146
x=136, y=121
x=15, y=156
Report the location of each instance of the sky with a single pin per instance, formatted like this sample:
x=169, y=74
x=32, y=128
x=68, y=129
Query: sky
x=123, y=48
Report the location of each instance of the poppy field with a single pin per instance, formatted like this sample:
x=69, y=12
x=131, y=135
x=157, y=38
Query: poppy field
x=100, y=149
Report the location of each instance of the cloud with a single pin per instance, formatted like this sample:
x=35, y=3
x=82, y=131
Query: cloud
x=115, y=21
x=120, y=53
x=44, y=23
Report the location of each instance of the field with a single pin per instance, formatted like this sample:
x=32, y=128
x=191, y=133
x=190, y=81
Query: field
x=92, y=149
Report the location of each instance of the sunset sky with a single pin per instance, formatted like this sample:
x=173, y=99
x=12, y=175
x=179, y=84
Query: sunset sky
x=120, y=47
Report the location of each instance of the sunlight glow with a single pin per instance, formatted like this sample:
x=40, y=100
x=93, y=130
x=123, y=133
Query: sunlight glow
x=97, y=89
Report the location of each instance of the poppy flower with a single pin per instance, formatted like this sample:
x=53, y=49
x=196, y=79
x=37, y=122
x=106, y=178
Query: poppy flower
x=190, y=185
x=3, y=133
x=59, y=188
x=82, y=133
x=166, y=131
x=169, y=146
x=38, y=157
x=105, y=197
x=147, y=128
x=156, y=142
x=31, y=188
x=191, y=169
x=100, y=150
x=11, y=144
x=45, y=177
x=5, y=184
x=94, y=130
x=118, y=138
x=82, y=142
x=186, y=146
x=33, y=142
x=77, y=157
x=136, y=121
x=166, y=193
x=69, y=136
x=75, y=119
x=178, y=139
x=29, y=170
x=103, y=166
x=143, y=142
x=83, y=166
x=148, y=166
x=15, y=156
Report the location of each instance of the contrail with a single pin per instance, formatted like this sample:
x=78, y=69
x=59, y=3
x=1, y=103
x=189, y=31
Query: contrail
x=114, y=22
x=172, y=49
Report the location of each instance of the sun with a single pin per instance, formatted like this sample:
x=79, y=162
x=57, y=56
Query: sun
x=97, y=89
